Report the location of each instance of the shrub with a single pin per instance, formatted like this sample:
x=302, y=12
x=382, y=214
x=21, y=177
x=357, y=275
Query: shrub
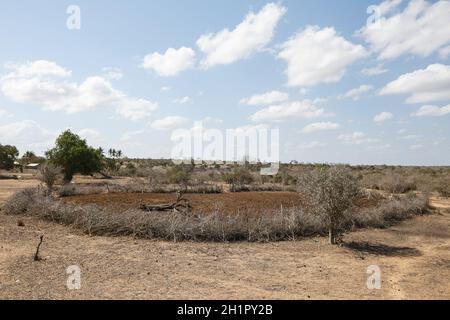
x=329, y=192
x=48, y=174
x=395, y=183
x=20, y=201
x=179, y=175
x=443, y=187
x=238, y=179
x=67, y=190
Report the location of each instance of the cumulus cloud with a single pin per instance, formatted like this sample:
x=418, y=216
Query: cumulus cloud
x=289, y=110
x=265, y=98
x=251, y=35
x=317, y=56
x=356, y=93
x=383, y=117
x=168, y=123
x=356, y=138
x=432, y=111
x=170, y=63
x=424, y=85
x=420, y=29
x=38, y=68
x=320, y=126
x=45, y=83
x=27, y=135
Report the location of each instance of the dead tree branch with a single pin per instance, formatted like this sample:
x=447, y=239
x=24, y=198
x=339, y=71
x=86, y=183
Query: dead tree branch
x=36, y=255
x=181, y=205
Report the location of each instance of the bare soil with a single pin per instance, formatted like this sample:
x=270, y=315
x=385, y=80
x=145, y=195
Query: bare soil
x=414, y=258
x=227, y=202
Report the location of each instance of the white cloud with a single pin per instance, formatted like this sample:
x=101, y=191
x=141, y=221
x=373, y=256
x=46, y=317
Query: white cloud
x=88, y=133
x=165, y=89
x=383, y=117
x=168, y=123
x=27, y=135
x=424, y=85
x=170, y=63
x=374, y=71
x=320, y=126
x=92, y=136
x=432, y=111
x=421, y=29
x=44, y=83
x=356, y=138
x=290, y=110
x=265, y=98
x=183, y=100
x=318, y=56
x=251, y=35
x=356, y=93
x=38, y=68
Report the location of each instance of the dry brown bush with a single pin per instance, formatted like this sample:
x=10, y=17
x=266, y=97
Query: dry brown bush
x=396, y=183
x=268, y=225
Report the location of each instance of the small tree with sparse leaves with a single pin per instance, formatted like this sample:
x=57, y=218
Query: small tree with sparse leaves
x=48, y=174
x=329, y=192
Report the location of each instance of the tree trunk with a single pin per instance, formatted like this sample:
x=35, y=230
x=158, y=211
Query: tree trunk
x=331, y=236
x=68, y=176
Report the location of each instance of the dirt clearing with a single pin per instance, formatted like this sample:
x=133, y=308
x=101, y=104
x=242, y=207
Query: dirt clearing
x=229, y=202
x=414, y=258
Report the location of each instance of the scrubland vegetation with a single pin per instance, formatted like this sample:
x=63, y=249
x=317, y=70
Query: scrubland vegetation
x=332, y=199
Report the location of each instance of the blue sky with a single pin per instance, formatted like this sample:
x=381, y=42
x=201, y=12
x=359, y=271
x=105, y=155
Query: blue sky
x=339, y=87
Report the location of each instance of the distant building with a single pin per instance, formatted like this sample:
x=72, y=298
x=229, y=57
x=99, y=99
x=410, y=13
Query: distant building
x=33, y=166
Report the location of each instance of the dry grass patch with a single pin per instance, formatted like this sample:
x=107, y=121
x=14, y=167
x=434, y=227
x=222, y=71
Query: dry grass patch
x=264, y=225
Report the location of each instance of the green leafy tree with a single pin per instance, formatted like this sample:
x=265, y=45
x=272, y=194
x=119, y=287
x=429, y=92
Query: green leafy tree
x=8, y=154
x=73, y=155
x=30, y=157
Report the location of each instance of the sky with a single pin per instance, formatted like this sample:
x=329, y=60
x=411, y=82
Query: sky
x=355, y=81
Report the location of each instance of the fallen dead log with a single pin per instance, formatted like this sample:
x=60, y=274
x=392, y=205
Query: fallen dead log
x=180, y=205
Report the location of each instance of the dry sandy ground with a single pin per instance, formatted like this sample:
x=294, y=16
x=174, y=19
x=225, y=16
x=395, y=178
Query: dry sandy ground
x=414, y=258
x=8, y=187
